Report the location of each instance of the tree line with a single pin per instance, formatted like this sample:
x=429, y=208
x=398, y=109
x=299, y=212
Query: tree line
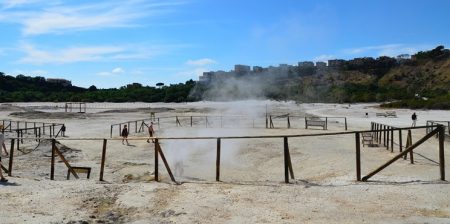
x=422, y=81
x=37, y=89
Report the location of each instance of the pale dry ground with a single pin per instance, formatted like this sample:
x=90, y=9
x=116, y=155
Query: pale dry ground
x=252, y=188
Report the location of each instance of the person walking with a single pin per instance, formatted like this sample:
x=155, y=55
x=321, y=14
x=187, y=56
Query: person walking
x=151, y=131
x=414, y=119
x=124, y=134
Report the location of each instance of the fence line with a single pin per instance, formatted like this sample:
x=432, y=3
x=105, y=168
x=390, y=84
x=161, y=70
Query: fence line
x=14, y=126
x=139, y=124
x=69, y=106
x=446, y=124
x=287, y=159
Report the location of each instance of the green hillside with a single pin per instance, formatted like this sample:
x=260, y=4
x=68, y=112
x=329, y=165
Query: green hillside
x=422, y=81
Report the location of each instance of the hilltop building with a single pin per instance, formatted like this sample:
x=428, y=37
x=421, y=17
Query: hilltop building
x=241, y=69
x=63, y=82
x=336, y=63
x=306, y=64
x=257, y=69
x=321, y=64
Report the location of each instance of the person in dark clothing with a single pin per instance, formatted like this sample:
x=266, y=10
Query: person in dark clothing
x=414, y=119
x=63, y=130
x=124, y=134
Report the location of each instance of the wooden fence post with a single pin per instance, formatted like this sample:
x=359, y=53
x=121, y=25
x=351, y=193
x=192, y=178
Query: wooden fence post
x=111, y=131
x=11, y=157
x=358, y=156
x=345, y=120
x=411, y=153
x=441, y=152
x=377, y=133
x=380, y=133
x=392, y=139
x=388, y=133
x=18, y=140
x=306, y=124
x=156, y=159
x=286, y=171
x=52, y=164
x=166, y=164
x=407, y=143
x=400, y=143
x=102, y=165
x=218, y=160
x=287, y=162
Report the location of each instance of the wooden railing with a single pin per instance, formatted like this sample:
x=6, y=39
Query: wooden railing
x=25, y=126
x=446, y=124
x=218, y=121
x=288, y=170
x=289, y=119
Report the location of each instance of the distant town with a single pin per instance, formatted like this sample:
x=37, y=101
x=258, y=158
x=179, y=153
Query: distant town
x=285, y=70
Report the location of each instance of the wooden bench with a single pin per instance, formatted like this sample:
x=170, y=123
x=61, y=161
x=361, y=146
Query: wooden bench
x=391, y=114
x=367, y=139
x=79, y=169
x=381, y=114
x=317, y=123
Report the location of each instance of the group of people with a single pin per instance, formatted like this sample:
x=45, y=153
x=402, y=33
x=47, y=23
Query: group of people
x=125, y=132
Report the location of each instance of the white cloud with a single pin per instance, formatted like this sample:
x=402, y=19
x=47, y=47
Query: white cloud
x=61, y=17
x=117, y=70
x=387, y=49
x=68, y=55
x=113, y=72
x=76, y=54
x=191, y=74
x=201, y=62
x=17, y=3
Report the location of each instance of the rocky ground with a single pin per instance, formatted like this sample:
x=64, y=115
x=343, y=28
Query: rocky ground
x=252, y=188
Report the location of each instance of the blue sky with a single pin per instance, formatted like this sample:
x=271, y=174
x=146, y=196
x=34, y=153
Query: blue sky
x=112, y=43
